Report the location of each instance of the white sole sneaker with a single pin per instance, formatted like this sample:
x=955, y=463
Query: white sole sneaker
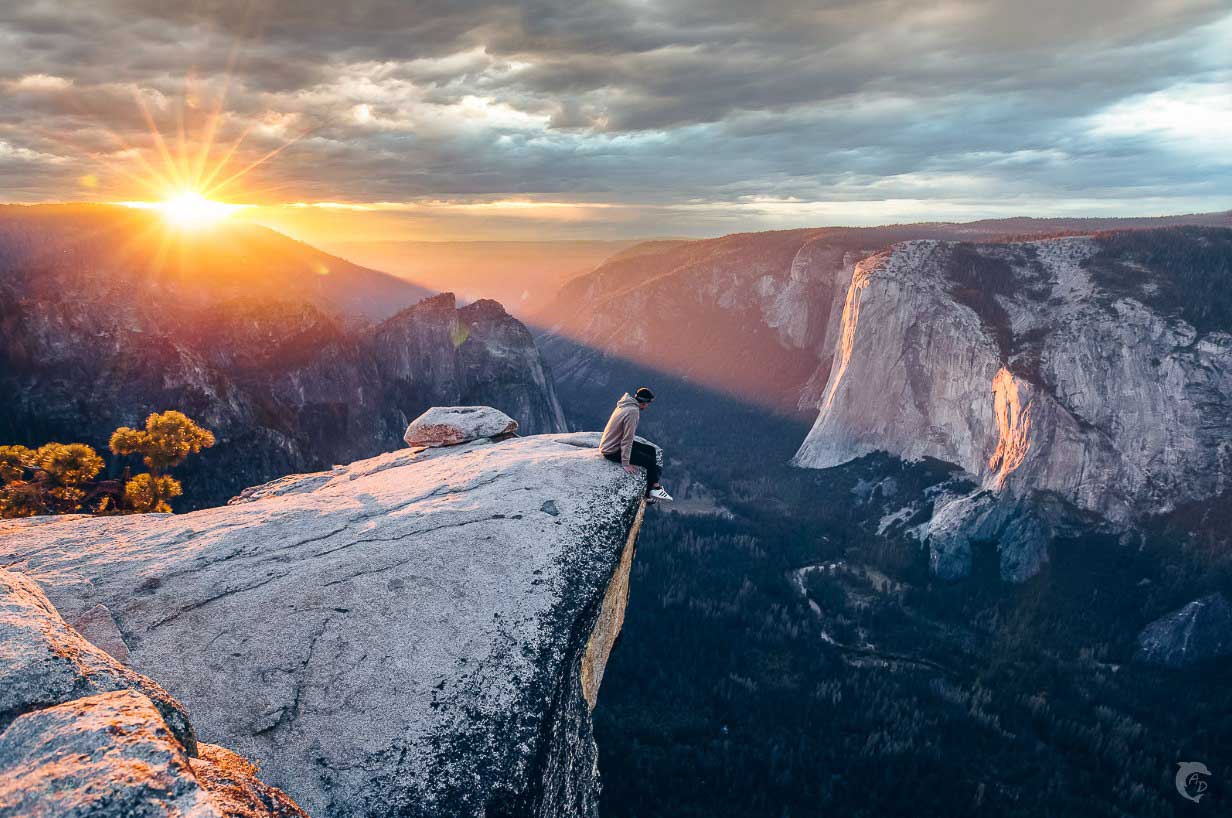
x=660, y=494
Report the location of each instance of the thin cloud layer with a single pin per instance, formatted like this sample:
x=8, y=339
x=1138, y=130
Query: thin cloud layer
x=632, y=117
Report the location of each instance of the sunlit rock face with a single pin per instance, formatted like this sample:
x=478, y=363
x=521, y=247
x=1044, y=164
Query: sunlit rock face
x=1093, y=369
x=261, y=340
x=421, y=633
x=747, y=314
x=102, y=755
x=44, y=662
x=754, y=315
x=83, y=736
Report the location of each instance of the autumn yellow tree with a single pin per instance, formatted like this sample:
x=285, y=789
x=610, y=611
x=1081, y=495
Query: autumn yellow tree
x=167, y=439
x=52, y=479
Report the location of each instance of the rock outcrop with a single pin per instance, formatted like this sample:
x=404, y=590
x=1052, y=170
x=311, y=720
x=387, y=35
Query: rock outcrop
x=259, y=347
x=45, y=662
x=83, y=736
x=422, y=633
x=103, y=755
x=1095, y=370
x=451, y=425
x=1198, y=632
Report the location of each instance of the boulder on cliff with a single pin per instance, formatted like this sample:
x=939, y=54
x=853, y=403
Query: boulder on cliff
x=1198, y=632
x=420, y=633
x=452, y=425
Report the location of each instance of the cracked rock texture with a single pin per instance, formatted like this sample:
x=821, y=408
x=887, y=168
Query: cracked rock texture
x=44, y=662
x=405, y=635
x=1089, y=369
x=83, y=736
x=104, y=755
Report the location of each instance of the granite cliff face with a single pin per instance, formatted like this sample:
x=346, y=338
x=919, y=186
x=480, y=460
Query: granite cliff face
x=422, y=633
x=755, y=315
x=747, y=314
x=286, y=377
x=1093, y=370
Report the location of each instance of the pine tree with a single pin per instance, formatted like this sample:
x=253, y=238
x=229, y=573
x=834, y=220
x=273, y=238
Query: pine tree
x=167, y=439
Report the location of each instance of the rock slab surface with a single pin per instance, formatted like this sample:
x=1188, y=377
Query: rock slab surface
x=109, y=754
x=44, y=662
x=112, y=754
x=404, y=635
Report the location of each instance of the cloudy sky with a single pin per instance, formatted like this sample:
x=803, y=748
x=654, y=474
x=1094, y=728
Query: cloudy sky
x=615, y=118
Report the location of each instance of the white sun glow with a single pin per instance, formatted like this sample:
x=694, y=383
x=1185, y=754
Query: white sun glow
x=190, y=210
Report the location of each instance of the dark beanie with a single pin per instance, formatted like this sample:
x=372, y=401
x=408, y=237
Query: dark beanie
x=644, y=395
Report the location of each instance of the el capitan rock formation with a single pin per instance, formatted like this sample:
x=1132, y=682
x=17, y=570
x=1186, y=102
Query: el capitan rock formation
x=1078, y=379
x=422, y=633
x=1094, y=370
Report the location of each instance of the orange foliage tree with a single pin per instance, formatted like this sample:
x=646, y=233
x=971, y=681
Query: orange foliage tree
x=59, y=478
x=163, y=444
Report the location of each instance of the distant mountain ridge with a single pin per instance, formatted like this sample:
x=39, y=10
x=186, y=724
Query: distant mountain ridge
x=522, y=275
x=94, y=335
x=1075, y=379
x=120, y=246
x=752, y=314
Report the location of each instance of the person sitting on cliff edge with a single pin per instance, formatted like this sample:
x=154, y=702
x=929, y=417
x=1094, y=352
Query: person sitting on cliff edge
x=619, y=446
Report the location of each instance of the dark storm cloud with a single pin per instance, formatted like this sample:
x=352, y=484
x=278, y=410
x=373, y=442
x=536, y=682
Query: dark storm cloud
x=681, y=104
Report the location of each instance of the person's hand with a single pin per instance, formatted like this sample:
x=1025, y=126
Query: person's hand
x=630, y=469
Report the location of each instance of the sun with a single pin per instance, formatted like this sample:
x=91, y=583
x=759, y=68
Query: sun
x=189, y=210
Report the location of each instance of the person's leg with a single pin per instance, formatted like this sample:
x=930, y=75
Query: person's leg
x=644, y=456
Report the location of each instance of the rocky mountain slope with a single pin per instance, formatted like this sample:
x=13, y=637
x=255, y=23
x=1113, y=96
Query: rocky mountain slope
x=1078, y=380
x=83, y=736
x=1093, y=370
x=119, y=251
x=248, y=342
x=755, y=315
x=422, y=633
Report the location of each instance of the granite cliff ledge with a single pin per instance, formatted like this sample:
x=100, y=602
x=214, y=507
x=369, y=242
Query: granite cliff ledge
x=422, y=633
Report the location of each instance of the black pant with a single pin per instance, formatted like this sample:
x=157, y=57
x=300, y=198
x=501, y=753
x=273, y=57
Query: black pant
x=644, y=456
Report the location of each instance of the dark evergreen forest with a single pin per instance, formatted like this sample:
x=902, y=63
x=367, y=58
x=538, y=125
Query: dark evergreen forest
x=746, y=686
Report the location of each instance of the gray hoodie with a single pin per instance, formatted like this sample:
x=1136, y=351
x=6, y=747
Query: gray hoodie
x=621, y=427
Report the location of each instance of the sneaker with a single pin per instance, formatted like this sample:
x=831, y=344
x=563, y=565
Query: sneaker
x=660, y=494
